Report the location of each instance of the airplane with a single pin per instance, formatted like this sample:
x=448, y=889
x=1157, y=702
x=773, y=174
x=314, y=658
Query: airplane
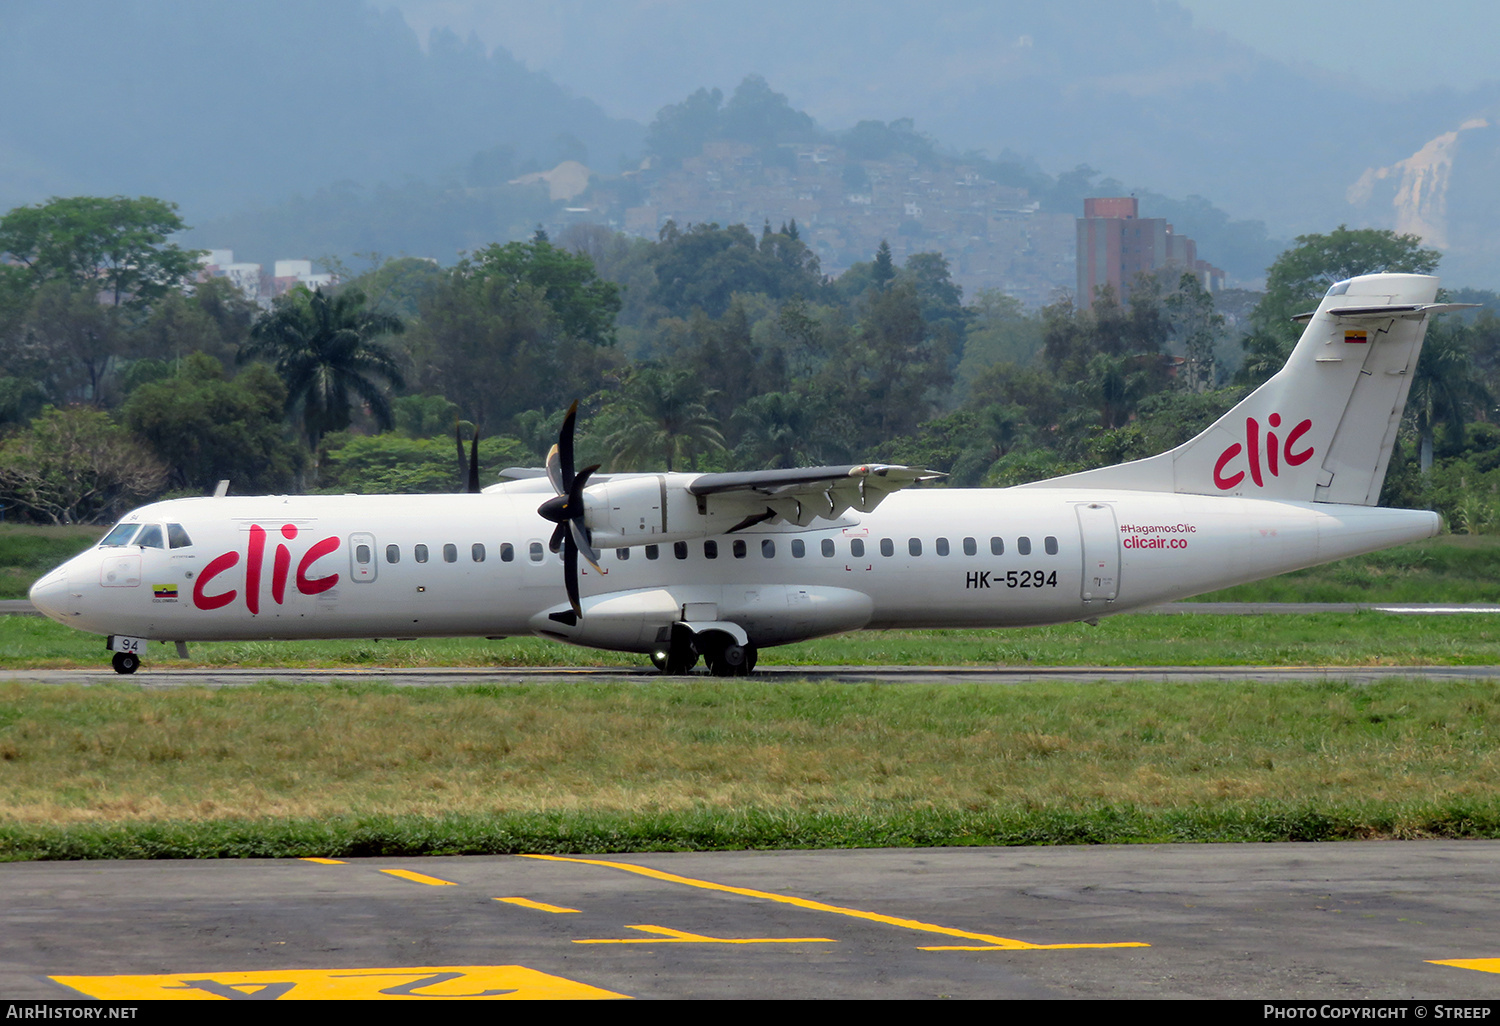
x=683, y=566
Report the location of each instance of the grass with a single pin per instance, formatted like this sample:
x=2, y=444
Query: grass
x=29, y=551
x=1363, y=638
x=120, y=771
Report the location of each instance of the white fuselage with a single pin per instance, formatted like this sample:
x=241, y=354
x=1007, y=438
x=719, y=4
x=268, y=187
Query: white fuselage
x=448, y=565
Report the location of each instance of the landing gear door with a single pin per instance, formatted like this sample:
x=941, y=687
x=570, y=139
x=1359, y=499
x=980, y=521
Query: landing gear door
x=362, y=563
x=1101, y=551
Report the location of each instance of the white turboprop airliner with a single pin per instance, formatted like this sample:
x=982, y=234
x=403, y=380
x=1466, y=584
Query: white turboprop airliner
x=718, y=565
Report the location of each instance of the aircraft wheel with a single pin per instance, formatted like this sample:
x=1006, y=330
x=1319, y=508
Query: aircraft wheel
x=674, y=662
x=732, y=661
x=125, y=662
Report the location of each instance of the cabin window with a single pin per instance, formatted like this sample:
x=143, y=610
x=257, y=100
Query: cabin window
x=419, y=553
x=942, y=546
x=362, y=554
x=799, y=548
x=739, y=548
x=887, y=547
x=393, y=553
x=535, y=552
x=150, y=537
x=652, y=551
x=711, y=550
x=477, y=552
x=121, y=535
x=1050, y=544
x=679, y=549
x=177, y=538
x=622, y=554
x=828, y=547
x=450, y=553
x=857, y=547
x=914, y=546
x=1023, y=545
x=997, y=547
x=768, y=548
x=970, y=546
x=507, y=552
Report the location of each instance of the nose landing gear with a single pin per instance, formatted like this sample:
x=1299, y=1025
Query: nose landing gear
x=125, y=662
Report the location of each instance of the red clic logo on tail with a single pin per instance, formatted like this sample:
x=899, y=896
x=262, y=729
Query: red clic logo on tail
x=1262, y=458
x=281, y=567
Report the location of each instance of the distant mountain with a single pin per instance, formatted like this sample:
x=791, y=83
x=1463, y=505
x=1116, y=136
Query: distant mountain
x=1132, y=88
x=216, y=105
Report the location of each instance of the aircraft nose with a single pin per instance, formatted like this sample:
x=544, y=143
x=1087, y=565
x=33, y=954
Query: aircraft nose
x=50, y=595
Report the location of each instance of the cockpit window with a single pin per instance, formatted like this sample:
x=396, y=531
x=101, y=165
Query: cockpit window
x=177, y=537
x=120, y=535
x=150, y=537
x=1338, y=289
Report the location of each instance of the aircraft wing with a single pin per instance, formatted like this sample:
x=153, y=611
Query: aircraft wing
x=803, y=494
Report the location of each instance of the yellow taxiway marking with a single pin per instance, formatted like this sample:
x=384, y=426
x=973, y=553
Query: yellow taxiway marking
x=666, y=935
x=1484, y=965
x=540, y=906
x=407, y=874
x=325, y=862
x=513, y=982
x=991, y=943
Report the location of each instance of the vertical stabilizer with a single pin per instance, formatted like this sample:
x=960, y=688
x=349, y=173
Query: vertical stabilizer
x=1323, y=428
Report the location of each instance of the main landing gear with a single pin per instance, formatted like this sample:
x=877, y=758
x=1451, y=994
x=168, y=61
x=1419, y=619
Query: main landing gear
x=125, y=662
x=724, y=654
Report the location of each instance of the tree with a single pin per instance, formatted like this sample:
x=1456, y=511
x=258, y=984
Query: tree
x=584, y=304
x=115, y=246
x=665, y=424
x=1301, y=275
x=325, y=350
x=208, y=428
x=1444, y=389
x=76, y=466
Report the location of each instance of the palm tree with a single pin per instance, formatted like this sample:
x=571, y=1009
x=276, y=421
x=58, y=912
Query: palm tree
x=324, y=348
x=1444, y=388
x=666, y=422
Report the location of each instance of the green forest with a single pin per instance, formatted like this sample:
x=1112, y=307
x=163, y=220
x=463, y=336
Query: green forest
x=123, y=379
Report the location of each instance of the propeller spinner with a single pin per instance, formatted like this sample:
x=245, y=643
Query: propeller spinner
x=566, y=509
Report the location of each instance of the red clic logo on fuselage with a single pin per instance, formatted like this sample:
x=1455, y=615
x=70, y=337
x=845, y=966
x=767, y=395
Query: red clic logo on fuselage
x=1275, y=452
x=281, y=565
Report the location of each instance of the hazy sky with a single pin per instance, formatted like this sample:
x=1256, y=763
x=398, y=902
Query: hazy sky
x=1394, y=45
x=1385, y=42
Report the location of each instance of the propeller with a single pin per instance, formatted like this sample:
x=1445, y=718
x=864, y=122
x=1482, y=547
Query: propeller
x=566, y=509
x=458, y=440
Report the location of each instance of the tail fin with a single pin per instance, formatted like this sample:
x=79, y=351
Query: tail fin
x=1323, y=428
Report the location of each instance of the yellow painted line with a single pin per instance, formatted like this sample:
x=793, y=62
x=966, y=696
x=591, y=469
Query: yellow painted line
x=992, y=943
x=493, y=982
x=325, y=862
x=666, y=935
x=1484, y=965
x=407, y=874
x=540, y=906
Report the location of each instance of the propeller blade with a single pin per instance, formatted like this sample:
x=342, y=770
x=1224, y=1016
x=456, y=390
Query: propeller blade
x=474, y=462
x=558, y=534
x=570, y=575
x=579, y=536
x=560, y=456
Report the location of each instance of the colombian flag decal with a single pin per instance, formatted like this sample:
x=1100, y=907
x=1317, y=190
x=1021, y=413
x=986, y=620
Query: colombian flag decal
x=1356, y=336
x=164, y=591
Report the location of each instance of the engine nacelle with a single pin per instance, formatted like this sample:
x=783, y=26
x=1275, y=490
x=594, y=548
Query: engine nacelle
x=648, y=510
